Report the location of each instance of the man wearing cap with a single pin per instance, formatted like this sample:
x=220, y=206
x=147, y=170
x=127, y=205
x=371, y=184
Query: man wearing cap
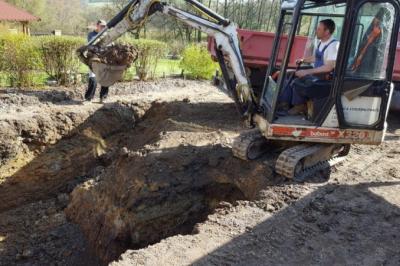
x=89, y=95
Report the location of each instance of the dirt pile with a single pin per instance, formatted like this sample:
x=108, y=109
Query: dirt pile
x=29, y=123
x=38, y=163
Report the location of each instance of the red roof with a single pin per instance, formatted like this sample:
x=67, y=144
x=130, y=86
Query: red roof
x=9, y=12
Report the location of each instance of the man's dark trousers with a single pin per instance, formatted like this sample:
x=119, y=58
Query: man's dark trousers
x=89, y=95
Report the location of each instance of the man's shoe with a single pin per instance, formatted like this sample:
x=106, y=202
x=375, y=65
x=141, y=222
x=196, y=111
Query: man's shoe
x=298, y=109
x=103, y=99
x=87, y=101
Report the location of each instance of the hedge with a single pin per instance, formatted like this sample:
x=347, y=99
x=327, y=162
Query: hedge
x=20, y=57
x=196, y=60
x=58, y=56
x=150, y=51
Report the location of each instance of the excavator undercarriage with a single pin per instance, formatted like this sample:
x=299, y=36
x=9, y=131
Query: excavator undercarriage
x=295, y=161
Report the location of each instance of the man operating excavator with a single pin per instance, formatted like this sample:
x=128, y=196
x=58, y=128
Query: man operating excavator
x=323, y=59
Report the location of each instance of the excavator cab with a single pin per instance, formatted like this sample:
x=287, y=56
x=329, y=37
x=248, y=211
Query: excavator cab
x=355, y=99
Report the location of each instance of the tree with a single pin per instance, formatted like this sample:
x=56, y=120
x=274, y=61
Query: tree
x=72, y=17
x=65, y=15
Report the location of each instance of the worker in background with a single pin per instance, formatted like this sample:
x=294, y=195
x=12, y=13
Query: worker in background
x=323, y=60
x=91, y=90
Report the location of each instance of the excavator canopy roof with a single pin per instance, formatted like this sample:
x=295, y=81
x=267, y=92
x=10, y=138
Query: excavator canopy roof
x=291, y=4
x=309, y=4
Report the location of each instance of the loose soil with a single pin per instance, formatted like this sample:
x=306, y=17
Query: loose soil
x=148, y=179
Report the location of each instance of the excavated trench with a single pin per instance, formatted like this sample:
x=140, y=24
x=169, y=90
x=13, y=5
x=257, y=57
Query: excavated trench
x=171, y=172
x=138, y=173
x=129, y=175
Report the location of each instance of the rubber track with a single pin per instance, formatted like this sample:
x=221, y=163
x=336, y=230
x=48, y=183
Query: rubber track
x=288, y=160
x=242, y=143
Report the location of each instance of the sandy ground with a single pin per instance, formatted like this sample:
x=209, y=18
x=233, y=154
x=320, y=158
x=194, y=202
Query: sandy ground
x=352, y=218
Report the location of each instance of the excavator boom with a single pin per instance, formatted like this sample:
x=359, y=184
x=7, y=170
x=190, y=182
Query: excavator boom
x=135, y=15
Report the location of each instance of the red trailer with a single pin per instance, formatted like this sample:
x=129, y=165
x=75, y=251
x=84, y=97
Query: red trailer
x=257, y=47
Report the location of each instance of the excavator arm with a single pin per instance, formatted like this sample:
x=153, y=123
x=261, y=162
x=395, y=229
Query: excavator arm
x=135, y=14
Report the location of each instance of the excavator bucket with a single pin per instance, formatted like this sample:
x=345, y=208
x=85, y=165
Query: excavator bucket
x=107, y=75
x=108, y=63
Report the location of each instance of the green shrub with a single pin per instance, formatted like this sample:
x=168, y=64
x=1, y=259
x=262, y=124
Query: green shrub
x=59, y=59
x=150, y=51
x=2, y=59
x=196, y=60
x=20, y=57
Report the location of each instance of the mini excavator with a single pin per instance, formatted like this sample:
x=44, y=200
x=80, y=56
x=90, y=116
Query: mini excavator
x=355, y=102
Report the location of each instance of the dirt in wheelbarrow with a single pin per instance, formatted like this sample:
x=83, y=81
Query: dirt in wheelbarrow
x=148, y=178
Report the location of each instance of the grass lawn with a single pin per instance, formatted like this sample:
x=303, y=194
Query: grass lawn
x=169, y=67
x=38, y=79
x=165, y=67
